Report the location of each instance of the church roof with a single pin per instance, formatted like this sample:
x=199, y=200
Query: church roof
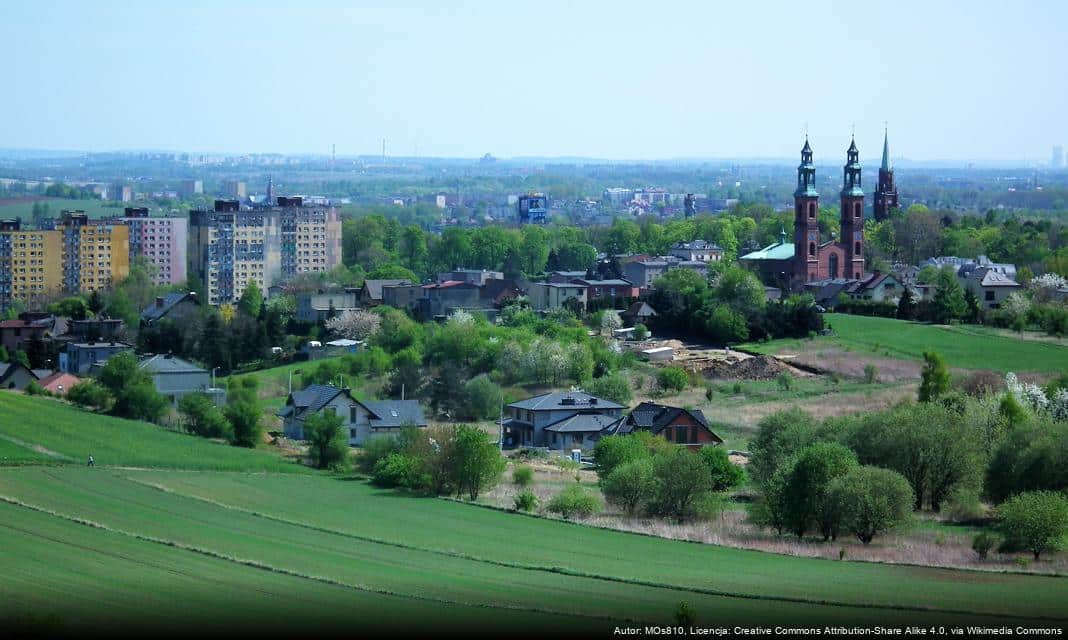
x=777, y=251
x=886, y=152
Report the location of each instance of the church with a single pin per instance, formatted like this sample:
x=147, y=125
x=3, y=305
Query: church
x=811, y=258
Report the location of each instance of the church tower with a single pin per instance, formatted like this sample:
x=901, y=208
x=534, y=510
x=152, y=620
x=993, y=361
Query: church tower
x=885, y=194
x=806, y=219
x=852, y=220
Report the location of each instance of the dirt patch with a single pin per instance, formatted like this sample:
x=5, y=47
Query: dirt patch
x=851, y=364
x=827, y=405
x=747, y=368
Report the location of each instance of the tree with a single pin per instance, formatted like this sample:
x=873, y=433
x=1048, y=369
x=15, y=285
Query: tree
x=243, y=412
x=1033, y=456
x=612, y=452
x=74, y=308
x=476, y=461
x=328, y=442
x=131, y=387
x=934, y=378
x=630, y=485
x=672, y=379
x=682, y=480
x=724, y=474
x=807, y=481
x=906, y=305
x=870, y=501
x=251, y=300
x=202, y=417
x=1036, y=521
x=614, y=387
x=481, y=398
x=90, y=394
x=948, y=302
x=779, y=436
x=641, y=332
x=355, y=324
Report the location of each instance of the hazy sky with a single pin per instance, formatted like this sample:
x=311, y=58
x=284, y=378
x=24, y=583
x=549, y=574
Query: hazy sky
x=659, y=79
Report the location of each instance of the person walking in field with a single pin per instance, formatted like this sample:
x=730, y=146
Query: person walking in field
x=91, y=461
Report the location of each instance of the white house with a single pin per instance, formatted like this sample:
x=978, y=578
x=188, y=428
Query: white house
x=363, y=419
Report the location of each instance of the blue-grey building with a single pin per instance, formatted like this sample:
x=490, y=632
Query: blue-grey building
x=80, y=357
x=174, y=377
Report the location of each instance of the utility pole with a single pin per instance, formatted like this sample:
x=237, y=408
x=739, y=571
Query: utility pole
x=500, y=431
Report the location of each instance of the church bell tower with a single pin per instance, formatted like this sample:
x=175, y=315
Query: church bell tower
x=806, y=219
x=852, y=221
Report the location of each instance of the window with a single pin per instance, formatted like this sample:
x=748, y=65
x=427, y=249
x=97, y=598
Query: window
x=668, y=434
x=856, y=248
x=680, y=435
x=693, y=433
x=352, y=433
x=578, y=438
x=856, y=210
x=812, y=249
x=352, y=416
x=812, y=210
x=554, y=437
x=989, y=296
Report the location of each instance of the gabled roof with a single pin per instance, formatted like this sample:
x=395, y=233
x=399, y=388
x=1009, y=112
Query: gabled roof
x=602, y=283
x=990, y=278
x=374, y=287
x=59, y=379
x=565, y=400
x=169, y=364
x=395, y=413
x=158, y=309
x=653, y=417
x=640, y=309
x=777, y=251
x=584, y=423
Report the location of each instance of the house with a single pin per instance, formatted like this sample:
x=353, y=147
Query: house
x=81, y=356
x=59, y=383
x=772, y=293
x=402, y=296
x=472, y=276
x=684, y=427
x=549, y=296
x=642, y=273
x=988, y=284
x=174, y=377
x=494, y=293
x=559, y=420
x=879, y=287
x=313, y=307
x=15, y=375
x=362, y=419
x=564, y=276
x=96, y=329
x=697, y=251
x=639, y=313
x=774, y=263
x=173, y=306
x=443, y=298
x=611, y=289
x=371, y=292
x=16, y=334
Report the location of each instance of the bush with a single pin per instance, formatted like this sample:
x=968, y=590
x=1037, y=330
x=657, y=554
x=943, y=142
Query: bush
x=523, y=476
x=575, y=501
x=672, y=379
x=376, y=448
x=395, y=470
x=1036, y=521
x=90, y=394
x=682, y=481
x=871, y=501
x=328, y=441
x=202, y=417
x=785, y=381
x=963, y=505
x=630, y=485
x=525, y=500
x=641, y=332
x=481, y=399
x=710, y=393
x=871, y=374
x=983, y=543
x=685, y=615
x=981, y=383
x=724, y=474
x=1033, y=456
x=613, y=386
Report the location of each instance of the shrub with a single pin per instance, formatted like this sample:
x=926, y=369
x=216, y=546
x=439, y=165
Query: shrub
x=630, y=485
x=202, y=417
x=90, y=394
x=737, y=388
x=523, y=476
x=710, y=393
x=575, y=501
x=328, y=442
x=613, y=451
x=672, y=379
x=871, y=501
x=934, y=378
x=613, y=386
x=871, y=374
x=808, y=478
x=682, y=481
x=785, y=381
x=981, y=383
x=963, y=505
x=724, y=474
x=685, y=615
x=983, y=543
x=395, y=470
x=641, y=332
x=376, y=448
x=1036, y=521
x=525, y=500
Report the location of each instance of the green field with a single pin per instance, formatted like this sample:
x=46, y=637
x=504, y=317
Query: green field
x=162, y=544
x=95, y=208
x=75, y=435
x=960, y=346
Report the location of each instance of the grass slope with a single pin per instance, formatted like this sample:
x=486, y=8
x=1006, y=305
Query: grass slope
x=74, y=433
x=958, y=345
x=353, y=534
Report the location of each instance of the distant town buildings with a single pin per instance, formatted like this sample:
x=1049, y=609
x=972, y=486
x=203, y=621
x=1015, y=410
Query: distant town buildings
x=235, y=189
x=190, y=188
x=229, y=246
x=532, y=208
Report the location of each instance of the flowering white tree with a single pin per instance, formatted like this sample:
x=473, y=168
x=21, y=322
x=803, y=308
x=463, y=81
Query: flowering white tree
x=610, y=322
x=1044, y=287
x=461, y=318
x=355, y=324
x=1028, y=393
x=1058, y=405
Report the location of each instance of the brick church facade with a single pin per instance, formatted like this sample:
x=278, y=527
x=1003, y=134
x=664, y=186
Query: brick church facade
x=812, y=258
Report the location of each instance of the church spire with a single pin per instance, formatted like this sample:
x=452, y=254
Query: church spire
x=886, y=151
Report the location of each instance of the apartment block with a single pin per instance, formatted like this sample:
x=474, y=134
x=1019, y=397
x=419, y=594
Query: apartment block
x=96, y=253
x=30, y=262
x=162, y=241
x=230, y=247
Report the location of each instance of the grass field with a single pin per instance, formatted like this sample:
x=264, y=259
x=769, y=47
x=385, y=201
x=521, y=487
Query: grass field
x=95, y=208
x=74, y=435
x=164, y=532
x=960, y=346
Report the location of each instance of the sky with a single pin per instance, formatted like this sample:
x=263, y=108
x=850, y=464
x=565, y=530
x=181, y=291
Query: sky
x=971, y=80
